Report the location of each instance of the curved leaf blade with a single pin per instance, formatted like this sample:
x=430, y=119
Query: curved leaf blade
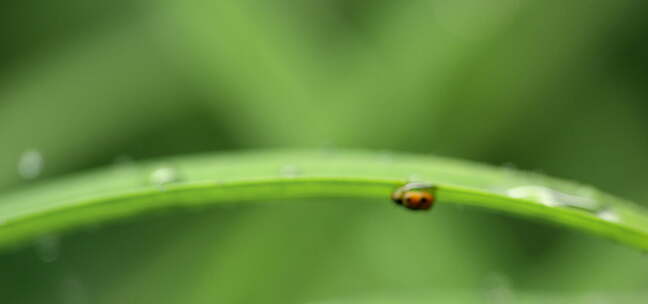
x=133, y=189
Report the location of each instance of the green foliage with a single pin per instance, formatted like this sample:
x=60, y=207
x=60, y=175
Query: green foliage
x=190, y=182
x=551, y=86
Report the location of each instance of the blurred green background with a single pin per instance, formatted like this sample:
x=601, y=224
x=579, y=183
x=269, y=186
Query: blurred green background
x=557, y=87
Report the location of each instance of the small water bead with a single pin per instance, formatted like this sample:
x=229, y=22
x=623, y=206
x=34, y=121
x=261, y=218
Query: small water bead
x=386, y=157
x=290, y=171
x=163, y=176
x=553, y=198
x=30, y=164
x=534, y=193
x=609, y=215
x=48, y=248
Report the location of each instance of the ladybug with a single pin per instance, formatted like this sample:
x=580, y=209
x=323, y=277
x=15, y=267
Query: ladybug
x=415, y=196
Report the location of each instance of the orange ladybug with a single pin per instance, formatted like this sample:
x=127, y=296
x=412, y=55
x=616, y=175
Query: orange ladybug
x=415, y=196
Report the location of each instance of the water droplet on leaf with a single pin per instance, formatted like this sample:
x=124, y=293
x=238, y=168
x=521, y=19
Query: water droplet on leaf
x=163, y=176
x=290, y=171
x=30, y=164
x=553, y=198
x=608, y=214
x=535, y=193
x=386, y=157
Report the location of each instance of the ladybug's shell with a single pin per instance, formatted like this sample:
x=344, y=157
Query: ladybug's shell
x=417, y=200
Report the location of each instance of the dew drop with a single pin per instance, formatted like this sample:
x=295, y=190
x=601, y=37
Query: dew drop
x=30, y=164
x=608, y=214
x=386, y=157
x=553, y=198
x=535, y=193
x=290, y=171
x=163, y=176
x=48, y=248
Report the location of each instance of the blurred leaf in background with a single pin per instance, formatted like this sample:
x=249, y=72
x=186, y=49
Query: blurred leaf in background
x=553, y=86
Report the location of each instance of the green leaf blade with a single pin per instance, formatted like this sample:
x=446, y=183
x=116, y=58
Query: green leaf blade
x=129, y=190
